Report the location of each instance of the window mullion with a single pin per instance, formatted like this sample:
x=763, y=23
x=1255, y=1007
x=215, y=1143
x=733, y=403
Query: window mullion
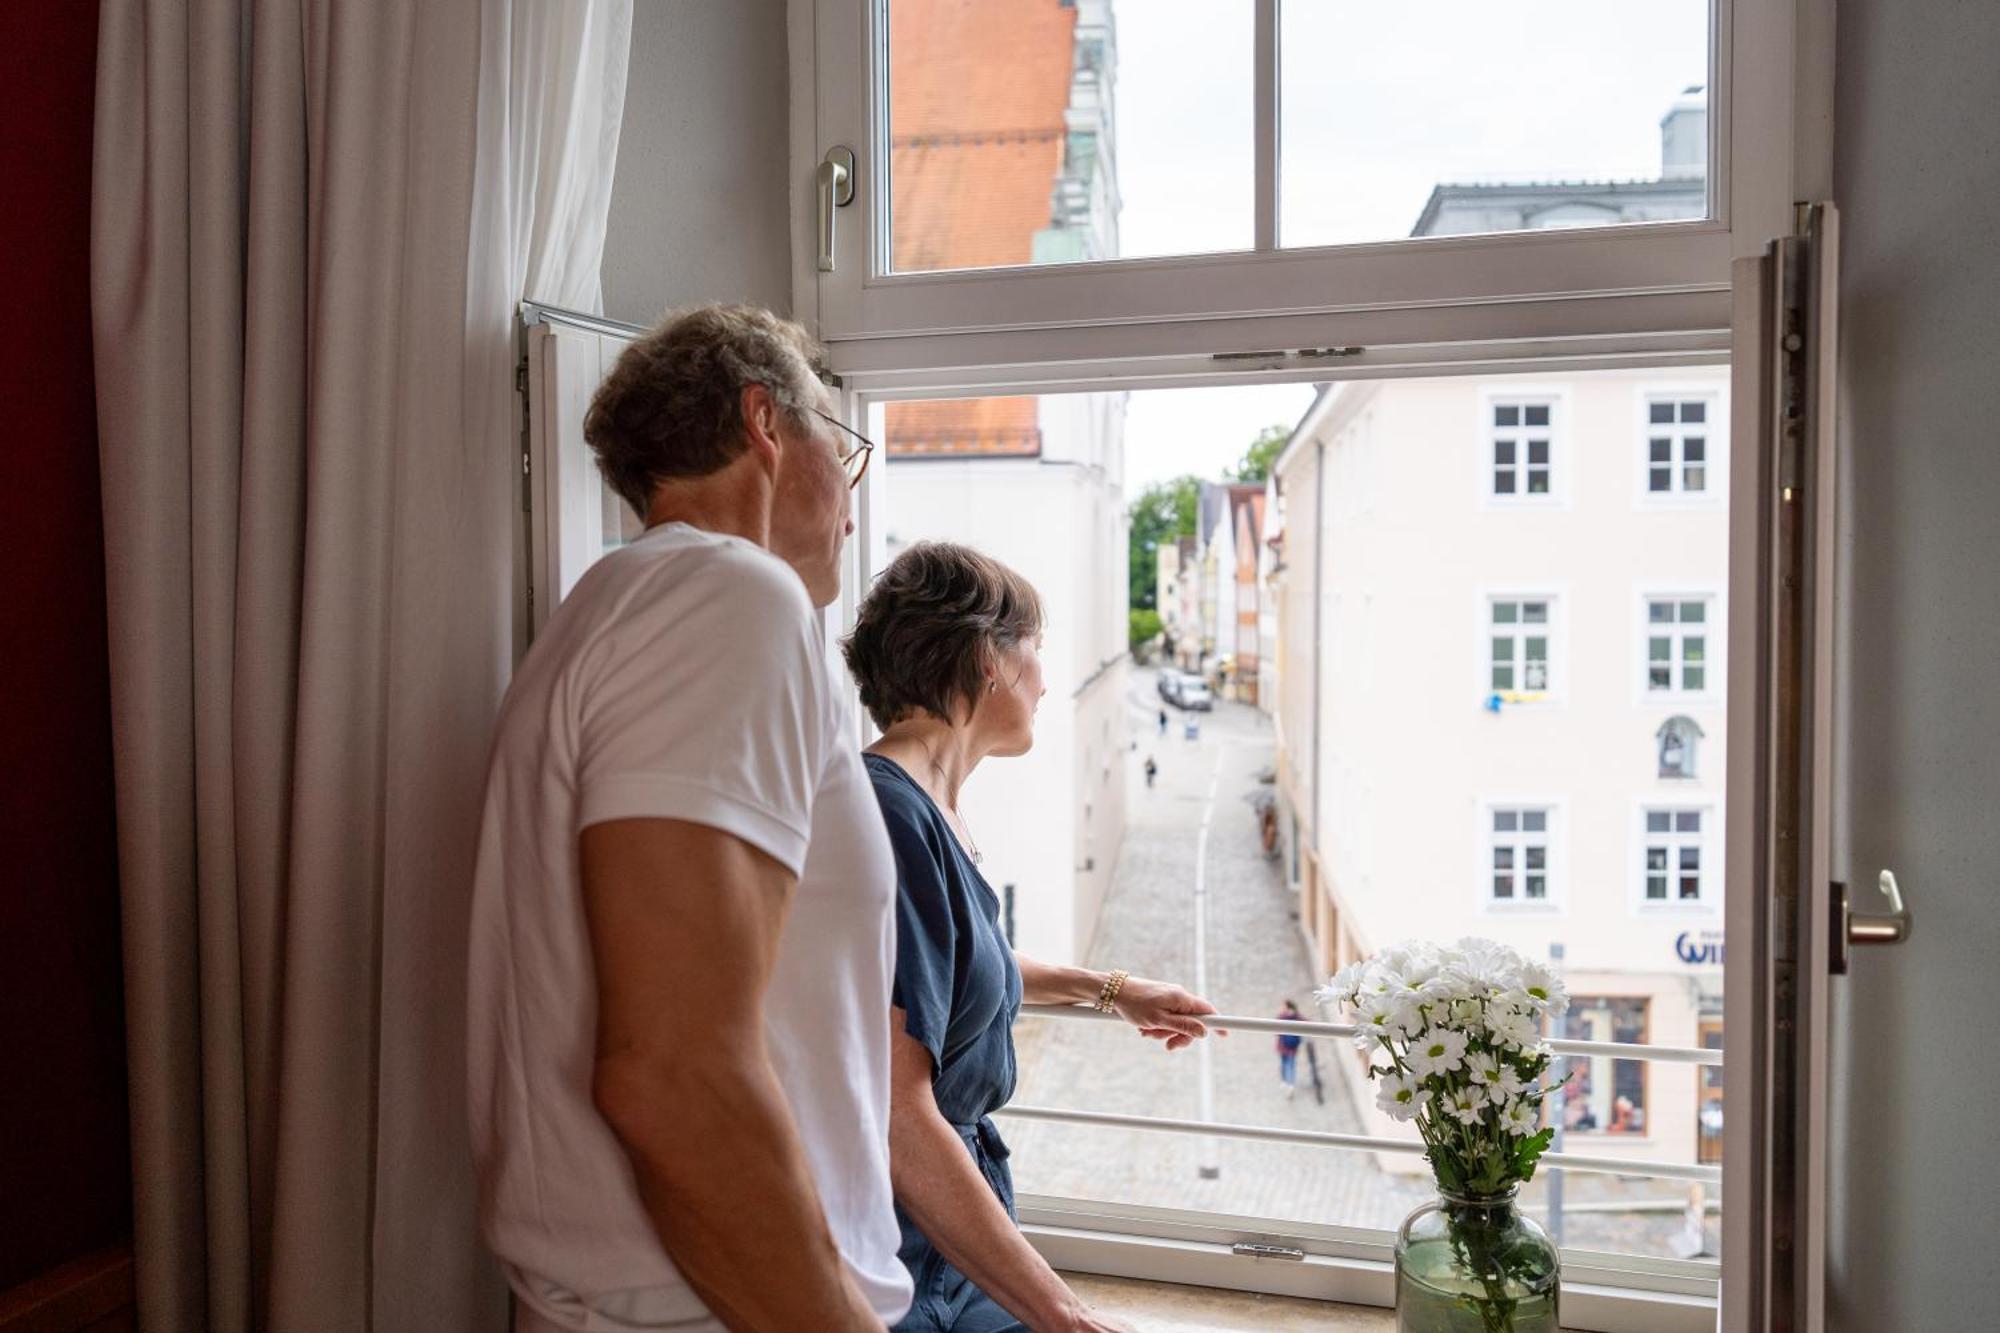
x=1266, y=92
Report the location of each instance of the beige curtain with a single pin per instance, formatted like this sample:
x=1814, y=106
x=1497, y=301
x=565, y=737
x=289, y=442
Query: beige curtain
x=307, y=246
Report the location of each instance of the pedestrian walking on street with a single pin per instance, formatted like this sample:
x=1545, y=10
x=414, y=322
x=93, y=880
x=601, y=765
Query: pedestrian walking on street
x=1288, y=1052
x=1163, y=721
x=1152, y=770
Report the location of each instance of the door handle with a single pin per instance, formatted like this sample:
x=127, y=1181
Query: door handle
x=1851, y=927
x=835, y=189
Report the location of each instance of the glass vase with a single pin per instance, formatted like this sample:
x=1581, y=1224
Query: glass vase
x=1475, y=1266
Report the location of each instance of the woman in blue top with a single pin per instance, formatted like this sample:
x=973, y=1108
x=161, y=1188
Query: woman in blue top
x=946, y=652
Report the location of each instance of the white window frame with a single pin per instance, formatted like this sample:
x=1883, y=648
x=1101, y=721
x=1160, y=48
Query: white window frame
x=1558, y=637
x=1556, y=399
x=1554, y=836
x=1715, y=493
x=1715, y=625
x=1709, y=841
x=1369, y=295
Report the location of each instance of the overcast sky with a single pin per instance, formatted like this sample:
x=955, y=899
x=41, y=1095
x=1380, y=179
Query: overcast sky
x=1381, y=100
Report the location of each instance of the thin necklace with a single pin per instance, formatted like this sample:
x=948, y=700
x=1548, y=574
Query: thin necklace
x=937, y=771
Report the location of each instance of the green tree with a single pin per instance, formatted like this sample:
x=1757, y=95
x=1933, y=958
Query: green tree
x=1144, y=626
x=1263, y=451
x=1163, y=514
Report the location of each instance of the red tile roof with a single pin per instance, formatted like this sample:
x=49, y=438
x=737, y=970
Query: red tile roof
x=977, y=90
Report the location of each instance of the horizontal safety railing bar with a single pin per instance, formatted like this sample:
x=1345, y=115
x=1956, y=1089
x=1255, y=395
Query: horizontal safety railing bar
x=1617, y=1050
x=1610, y=1166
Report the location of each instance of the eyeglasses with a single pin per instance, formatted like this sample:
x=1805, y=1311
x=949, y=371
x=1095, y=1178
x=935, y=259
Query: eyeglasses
x=855, y=461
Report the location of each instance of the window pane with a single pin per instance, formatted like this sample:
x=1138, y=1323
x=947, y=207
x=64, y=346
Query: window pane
x=1503, y=451
x=1503, y=858
x=1660, y=613
x=1537, y=886
x=1662, y=479
x=1694, y=448
x=1659, y=678
x=1503, y=481
x=1693, y=613
x=1506, y=613
x=1694, y=412
x=1694, y=479
x=1056, y=133
x=1690, y=858
x=1536, y=414
x=1687, y=821
x=1656, y=858
x=1534, y=821
x=1656, y=886
x=1503, y=677
x=1658, y=821
x=1538, y=858
x=1690, y=886
x=1660, y=451
x=1503, y=886
x=1660, y=413
x=1694, y=678
x=1507, y=415
x=1535, y=676
x=1538, y=451
x=1535, y=613
x=1659, y=649
x=1506, y=821
x=1691, y=648
x=1536, y=649
x=1538, y=481
x=1463, y=116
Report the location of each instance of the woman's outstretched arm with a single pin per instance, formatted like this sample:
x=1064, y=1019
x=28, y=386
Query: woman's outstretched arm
x=1157, y=1008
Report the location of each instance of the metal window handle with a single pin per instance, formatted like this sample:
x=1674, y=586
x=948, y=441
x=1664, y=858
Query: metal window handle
x=1851, y=927
x=835, y=181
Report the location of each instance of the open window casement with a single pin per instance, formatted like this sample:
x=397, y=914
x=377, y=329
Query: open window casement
x=1298, y=270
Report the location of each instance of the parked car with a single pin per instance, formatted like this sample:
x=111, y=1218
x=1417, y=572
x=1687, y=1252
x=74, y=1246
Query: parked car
x=1169, y=684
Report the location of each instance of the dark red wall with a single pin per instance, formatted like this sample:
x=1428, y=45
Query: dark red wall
x=64, y=1175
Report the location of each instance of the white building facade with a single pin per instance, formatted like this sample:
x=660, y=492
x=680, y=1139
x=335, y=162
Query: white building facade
x=1502, y=659
x=1050, y=822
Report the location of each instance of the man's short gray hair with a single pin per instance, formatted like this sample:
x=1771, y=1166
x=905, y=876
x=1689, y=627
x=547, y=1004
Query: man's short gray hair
x=673, y=404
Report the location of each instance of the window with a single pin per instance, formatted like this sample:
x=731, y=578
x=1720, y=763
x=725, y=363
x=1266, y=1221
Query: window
x=1673, y=857
x=1519, y=854
x=1520, y=444
x=1677, y=633
x=1606, y=1095
x=1678, y=455
x=1518, y=645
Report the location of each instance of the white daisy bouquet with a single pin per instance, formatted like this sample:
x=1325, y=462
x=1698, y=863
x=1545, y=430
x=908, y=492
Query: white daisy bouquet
x=1454, y=1037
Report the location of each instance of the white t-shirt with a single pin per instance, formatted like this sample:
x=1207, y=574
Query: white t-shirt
x=685, y=677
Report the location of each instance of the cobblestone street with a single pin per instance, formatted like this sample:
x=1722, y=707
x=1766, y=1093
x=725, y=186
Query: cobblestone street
x=1255, y=960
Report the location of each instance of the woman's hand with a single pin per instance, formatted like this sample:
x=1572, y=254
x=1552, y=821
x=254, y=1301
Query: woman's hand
x=1163, y=1011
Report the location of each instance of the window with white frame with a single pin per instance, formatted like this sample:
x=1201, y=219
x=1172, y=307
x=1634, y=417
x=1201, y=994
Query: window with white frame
x=1518, y=852
x=1677, y=642
x=1678, y=452
x=1518, y=642
x=1674, y=857
x=1520, y=450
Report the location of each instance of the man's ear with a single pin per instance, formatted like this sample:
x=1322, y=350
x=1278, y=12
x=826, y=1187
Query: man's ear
x=760, y=426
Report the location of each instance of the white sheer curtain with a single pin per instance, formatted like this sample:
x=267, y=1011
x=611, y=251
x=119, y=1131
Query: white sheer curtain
x=312, y=222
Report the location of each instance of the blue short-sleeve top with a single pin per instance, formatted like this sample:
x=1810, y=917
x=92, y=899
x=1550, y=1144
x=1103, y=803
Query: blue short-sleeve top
x=956, y=979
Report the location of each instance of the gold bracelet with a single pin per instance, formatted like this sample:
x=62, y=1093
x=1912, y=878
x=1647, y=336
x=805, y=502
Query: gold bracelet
x=1108, y=997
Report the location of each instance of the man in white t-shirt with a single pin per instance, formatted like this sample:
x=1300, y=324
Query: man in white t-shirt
x=682, y=942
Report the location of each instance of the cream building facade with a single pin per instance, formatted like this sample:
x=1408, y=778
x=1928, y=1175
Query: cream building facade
x=1500, y=706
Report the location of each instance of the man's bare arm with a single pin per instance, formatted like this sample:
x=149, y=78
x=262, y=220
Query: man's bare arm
x=684, y=923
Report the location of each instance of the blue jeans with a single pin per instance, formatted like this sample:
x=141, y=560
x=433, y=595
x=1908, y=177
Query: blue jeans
x=1288, y=1067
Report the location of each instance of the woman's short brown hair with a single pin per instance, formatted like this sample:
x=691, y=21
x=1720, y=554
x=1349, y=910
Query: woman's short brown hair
x=931, y=627
x=672, y=406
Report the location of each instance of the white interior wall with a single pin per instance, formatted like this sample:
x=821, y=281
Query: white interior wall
x=1917, y=175
x=700, y=208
